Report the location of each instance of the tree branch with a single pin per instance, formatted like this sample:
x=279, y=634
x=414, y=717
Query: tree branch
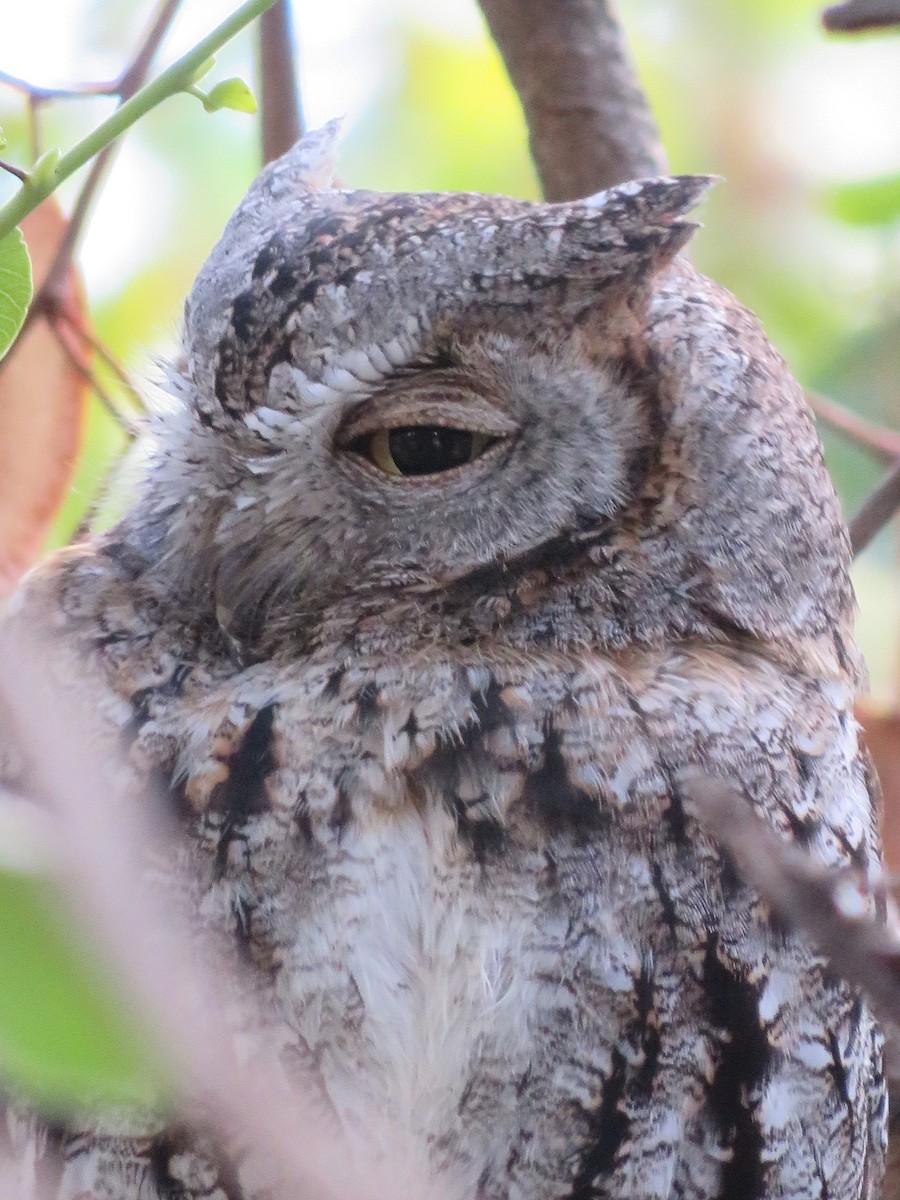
x=854, y=16
x=87, y=339
x=63, y=331
x=875, y=513
x=279, y=92
x=589, y=121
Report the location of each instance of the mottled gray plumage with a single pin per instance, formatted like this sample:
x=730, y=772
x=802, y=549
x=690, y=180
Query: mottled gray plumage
x=430, y=735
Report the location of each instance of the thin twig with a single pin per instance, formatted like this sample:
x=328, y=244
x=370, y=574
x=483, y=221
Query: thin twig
x=127, y=423
x=588, y=119
x=129, y=82
x=281, y=109
x=882, y=442
x=13, y=170
x=98, y=347
x=854, y=16
x=876, y=511
x=42, y=95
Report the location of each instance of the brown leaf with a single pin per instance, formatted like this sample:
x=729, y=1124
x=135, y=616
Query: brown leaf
x=43, y=400
x=882, y=735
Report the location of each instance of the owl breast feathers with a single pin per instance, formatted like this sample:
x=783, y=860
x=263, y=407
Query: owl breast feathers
x=479, y=529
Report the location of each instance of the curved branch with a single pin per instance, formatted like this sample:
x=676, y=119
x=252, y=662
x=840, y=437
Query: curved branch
x=588, y=118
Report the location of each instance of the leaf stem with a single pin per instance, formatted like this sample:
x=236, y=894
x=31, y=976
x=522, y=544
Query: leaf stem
x=175, y=78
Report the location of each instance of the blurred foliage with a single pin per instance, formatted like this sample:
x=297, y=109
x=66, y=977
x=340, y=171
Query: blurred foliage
x=873, y=202
x=815, y=253
x=62, y=1033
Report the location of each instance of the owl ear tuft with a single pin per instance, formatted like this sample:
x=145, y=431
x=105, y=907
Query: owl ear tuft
x=306, y=170
x=298, y=181
x=307, y=167
x=659, y=198
x=648, y=214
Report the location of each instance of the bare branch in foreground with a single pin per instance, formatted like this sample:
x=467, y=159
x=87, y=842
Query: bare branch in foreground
x=279, y=91
x=588, y=118
x=854, y=16
x=173, y=979
x=832, y=905
x=877, y=510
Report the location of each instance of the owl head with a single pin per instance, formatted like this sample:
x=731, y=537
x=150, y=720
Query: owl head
x=394, y=403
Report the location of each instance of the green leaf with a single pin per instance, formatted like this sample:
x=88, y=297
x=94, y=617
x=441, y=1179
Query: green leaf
x=872, y=202
x=15, y=287
x=64, y=1038
x=230, y=93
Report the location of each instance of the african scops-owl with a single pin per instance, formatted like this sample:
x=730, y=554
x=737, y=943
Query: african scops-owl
x=475, y=531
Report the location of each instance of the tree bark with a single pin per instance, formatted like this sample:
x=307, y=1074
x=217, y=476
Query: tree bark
x=588, y=118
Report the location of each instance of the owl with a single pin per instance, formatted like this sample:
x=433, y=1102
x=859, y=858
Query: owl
x=475, y=531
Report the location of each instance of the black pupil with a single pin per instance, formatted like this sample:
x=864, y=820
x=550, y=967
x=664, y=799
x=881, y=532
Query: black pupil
x=427, y=449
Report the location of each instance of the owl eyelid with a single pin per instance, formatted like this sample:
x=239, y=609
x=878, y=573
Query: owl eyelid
x=470, y=414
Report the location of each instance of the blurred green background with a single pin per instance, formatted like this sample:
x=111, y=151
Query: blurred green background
x=805, y=229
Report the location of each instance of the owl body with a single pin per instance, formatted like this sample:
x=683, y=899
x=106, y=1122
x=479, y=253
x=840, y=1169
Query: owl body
x=430, y=733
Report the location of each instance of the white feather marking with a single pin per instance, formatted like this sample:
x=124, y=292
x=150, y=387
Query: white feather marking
x=361, y=365
x=396, y=352
x=436, y=972
x=378, y=358
x=316, y=393
x=340, y=379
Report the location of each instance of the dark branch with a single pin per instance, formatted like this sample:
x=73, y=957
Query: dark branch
x=589, y=121
x=855, y=16
x=279, y=92
x=875, y=513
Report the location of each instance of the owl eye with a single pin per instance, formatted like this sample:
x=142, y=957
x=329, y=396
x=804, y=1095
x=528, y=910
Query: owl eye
x=421, y=449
